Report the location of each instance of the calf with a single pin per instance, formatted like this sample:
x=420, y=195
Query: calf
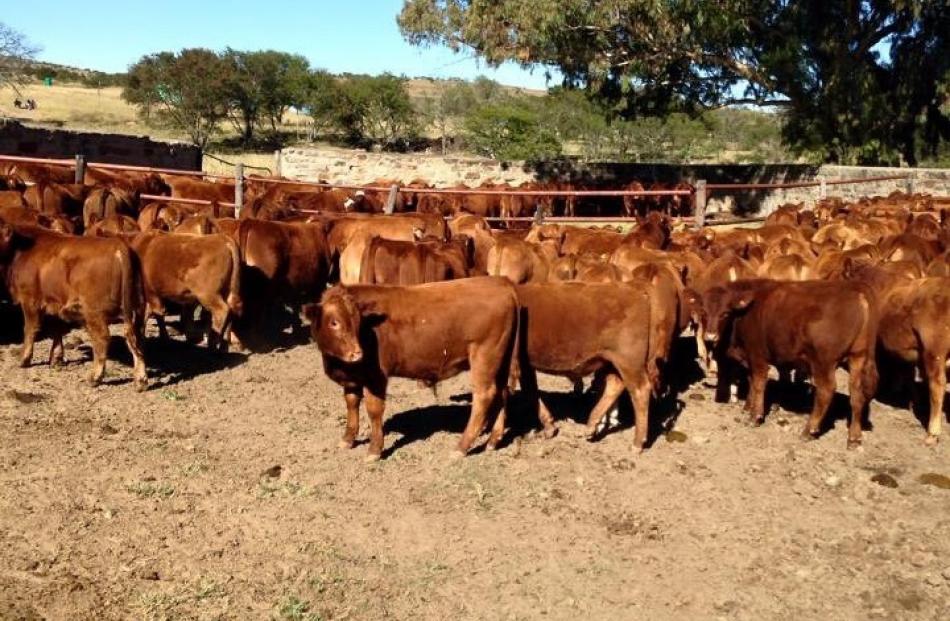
x=74, y=279
x=812, y=324
x=368, y=334
x=391, y=262
x=610, y=335
x=190, y=269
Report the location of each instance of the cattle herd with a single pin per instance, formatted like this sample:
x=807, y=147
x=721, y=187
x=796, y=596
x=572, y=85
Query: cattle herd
x=432, y=290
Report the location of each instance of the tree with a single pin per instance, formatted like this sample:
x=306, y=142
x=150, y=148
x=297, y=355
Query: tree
x=15, y=53
x=190, y=89
x=509, y=131
x=452, y=102
x=261, y=86
x=860, y=79
x=322, y=101
x=377, y=110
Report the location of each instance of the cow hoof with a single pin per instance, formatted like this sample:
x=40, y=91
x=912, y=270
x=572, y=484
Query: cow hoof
x=491, y=445
x=93, y=381
x=24, y=364
x=550, y=432
x=809, y=435
x=854, y=445
x=931, y=440
x=371, y=458
x=456, y=455
x=141, y=385
x=346, y=444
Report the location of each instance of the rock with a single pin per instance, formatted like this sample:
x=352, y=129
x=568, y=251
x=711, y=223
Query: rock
x=26, y=397
x=697, y=396
x=700, y=440
x=934, y=479
x=833, y=481
x=884, y=480
x=676, y=436
x=946, y=574
x=273, y=472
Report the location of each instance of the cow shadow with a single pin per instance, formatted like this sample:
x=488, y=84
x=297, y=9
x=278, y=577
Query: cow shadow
x=11, y=324
x=275, y=329
x=798, y=397
x=424, y=422
x=172, y=360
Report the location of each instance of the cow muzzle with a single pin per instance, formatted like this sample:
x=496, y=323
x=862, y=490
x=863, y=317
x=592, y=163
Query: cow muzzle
x=354, y=355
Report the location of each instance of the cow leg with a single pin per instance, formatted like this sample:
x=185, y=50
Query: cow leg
x=529, y=387
x=98, y=329
x=353, y=395
x=758, y=379
x=220, y=315
x=375, y=407
x=824, y=379
x=31, y=327
x=57, y=349
x=484, y=400
x=935, y=367
x=134, y=336
x=613, y=388
x=641, y=389
x=188, y=323
x=498, y=429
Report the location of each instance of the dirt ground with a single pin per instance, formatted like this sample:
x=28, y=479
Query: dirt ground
x=221, y=494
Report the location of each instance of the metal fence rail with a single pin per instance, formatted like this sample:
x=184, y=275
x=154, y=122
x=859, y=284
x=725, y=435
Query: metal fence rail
x=698, y=194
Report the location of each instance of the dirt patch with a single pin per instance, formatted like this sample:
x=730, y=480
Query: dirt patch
x=220, y=493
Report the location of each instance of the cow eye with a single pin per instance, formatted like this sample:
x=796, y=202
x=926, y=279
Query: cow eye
x=334, y=324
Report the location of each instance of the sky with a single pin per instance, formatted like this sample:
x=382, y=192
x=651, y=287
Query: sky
x=356, y=36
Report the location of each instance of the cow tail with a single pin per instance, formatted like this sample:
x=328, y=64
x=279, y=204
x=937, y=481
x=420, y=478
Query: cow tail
x=654, y=346
x=514, y=368
x=869, y=373
x=129, y=285
x=368, y=262
x=234, y=287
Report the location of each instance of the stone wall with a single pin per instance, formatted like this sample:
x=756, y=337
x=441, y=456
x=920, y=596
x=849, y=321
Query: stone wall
x=357, y=167
x=18, y=139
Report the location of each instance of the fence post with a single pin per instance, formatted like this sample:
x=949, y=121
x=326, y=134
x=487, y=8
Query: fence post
x=538, y=215
x=910, y=184
x=822, y=188
x=391, y=200
x=700, y=203
x=80, y=169
x=278, y=164
x=238, y=189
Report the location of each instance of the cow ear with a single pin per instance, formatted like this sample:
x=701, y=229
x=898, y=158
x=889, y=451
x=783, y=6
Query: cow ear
x=743, y=301
x=372, y=319
x=312, y=312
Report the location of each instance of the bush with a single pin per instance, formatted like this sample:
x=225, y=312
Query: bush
x=509, y=131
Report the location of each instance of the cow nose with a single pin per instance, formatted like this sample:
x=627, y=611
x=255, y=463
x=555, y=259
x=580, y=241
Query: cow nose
x=355, y=356
x=712, y=337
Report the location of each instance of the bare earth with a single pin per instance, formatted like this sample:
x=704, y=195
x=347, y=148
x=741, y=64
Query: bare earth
x=171, y=505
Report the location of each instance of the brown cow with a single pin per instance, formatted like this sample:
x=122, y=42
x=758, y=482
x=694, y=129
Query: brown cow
x=197, y=225
x=519, y=261
x=74, y=279
x=111, y=226
x=101, y=203
x=369, y=334
x=391, y=262
x=914, y=328
x=188, y=269
x=813, y=324
x=285, y=262
x=613, y=339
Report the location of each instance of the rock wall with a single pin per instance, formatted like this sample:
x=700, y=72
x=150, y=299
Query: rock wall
x=18, y=139
x=357, y=167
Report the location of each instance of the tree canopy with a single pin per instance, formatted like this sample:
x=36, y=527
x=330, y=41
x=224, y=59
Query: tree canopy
x=861, y=81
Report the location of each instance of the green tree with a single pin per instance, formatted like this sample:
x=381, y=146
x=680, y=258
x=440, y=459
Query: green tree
x=443, y=111
x=190, y=90
x=261, y=86
x=860, y=79
x=322, y=102
x=376, y=110
x=509, y=131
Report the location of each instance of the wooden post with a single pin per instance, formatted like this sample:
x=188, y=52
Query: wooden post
x=910, y=184
x=700, y=206
x=238, y=189
x=278, y=164
x=822, y=188
x=391, y=200
x=538, y=215
x=80, y=169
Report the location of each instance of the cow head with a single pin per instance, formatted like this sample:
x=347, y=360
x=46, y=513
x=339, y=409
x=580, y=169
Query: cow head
x=335, y=325
x=719, y=306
